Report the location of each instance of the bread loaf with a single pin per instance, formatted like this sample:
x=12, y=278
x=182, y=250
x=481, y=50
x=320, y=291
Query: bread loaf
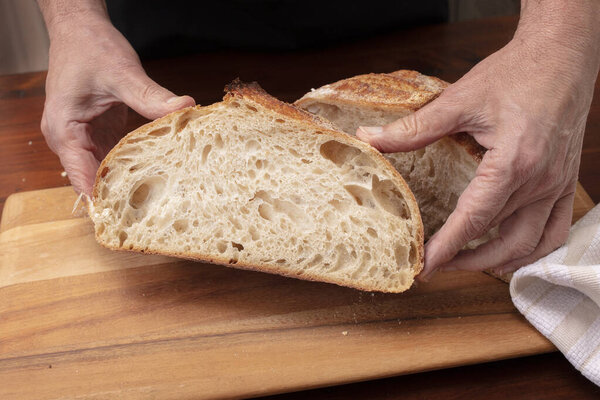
x=438, y=173
x=255, y=183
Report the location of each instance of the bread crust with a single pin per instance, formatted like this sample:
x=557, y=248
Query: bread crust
x=253, y=93
x=400, y=91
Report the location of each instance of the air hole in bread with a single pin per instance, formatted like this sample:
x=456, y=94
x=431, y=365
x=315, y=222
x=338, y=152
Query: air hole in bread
x=252, y=145
x=218, y=141
x=122, y=238
x=238, y=246
x=251, y=108
x=104, y=172
x=180, y=225
x=253, y=233
x=266, y=211
x=146, y=190
x=389, y=198
x=412, y=255
x=101, y=228
x=361, y=195
x=294, y=152
x=178, y=164
x=330, y=218
x=338, y=153
x=281, y=261
x=104, y=192
x=341, y=206
x=192, y=143
x=344, y=227
x=401, y=254
x=279, y=120
x=372, y=232
x=137, y=139
x=236, y=224
x=186, y=117
x=317, y=259
x=205, y=153
x=251, y=174
x=260, y=164
x=343, y=259
x=128, y=150
x=134, y=168
x=160, y=131
x=221, y=247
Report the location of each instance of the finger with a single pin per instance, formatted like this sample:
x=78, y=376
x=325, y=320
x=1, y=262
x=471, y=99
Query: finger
x=416, y=130
x=81, y=166
x=481, y=201
x=147, y=97
x=519, y=236
x=555, y=235
x=75, y=148
x=108, y=129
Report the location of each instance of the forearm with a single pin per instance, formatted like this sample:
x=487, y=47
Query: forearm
x=57, y=12
x=568, y=30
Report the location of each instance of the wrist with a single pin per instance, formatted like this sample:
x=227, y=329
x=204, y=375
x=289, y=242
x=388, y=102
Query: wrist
x=572, y=28
x=63, y=15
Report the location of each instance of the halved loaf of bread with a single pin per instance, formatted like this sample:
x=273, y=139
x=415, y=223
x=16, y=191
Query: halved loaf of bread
x=438, y=173
x=255, y=183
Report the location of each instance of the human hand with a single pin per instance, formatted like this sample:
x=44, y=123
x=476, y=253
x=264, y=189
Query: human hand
x=94, y=74
x=527, y=104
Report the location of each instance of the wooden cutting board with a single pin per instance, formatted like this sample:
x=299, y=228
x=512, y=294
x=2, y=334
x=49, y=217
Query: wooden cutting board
x=77, y=320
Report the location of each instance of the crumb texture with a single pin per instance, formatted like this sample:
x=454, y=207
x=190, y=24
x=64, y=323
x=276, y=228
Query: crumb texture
x=437, y=174
x=237, y=183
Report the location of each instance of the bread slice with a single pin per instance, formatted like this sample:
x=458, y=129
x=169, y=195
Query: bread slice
x=438, y=173
x=258, y=184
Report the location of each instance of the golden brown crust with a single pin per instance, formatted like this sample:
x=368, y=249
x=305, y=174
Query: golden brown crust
x=253, y=93
x=399, y=91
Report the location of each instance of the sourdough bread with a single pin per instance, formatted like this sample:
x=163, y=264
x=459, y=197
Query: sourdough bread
x=438, y=173
x=258, y=184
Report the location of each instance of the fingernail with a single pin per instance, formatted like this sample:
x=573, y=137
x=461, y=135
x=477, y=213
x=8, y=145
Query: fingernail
x=371, y=130
x=173, y=99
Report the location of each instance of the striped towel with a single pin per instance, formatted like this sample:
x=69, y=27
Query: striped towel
x=560, y=295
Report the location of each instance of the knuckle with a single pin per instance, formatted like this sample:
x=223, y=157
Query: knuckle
x=474, y=225
x=408, y=127
x=521, y=249
x=150, y=90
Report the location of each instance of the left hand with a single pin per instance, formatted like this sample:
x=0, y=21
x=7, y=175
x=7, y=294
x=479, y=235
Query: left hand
x=529, y=109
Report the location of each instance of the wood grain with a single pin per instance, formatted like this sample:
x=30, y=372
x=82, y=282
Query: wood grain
x=118, y=320
x=447, y=51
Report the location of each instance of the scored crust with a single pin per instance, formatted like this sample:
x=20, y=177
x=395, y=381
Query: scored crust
x=253, y=93
x=402, y=91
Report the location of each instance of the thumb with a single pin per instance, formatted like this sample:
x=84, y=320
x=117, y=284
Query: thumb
x=147, y=97
x=416, y=130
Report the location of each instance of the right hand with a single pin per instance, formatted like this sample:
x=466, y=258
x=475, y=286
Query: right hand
x=93, y=75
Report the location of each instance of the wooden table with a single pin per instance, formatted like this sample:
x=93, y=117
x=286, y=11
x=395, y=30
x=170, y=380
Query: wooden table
x=447, y=51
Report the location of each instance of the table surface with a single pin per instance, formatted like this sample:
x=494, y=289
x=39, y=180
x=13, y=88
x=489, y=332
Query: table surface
x=447, y=51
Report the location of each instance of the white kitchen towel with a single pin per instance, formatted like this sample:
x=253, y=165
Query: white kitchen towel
x=560, y=295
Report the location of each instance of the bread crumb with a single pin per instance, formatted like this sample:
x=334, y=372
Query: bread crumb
x=63, y=174
x=29, y=143
x=345, y=333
